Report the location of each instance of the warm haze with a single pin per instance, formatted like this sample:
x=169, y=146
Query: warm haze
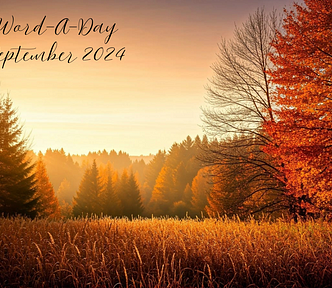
x=146, y=101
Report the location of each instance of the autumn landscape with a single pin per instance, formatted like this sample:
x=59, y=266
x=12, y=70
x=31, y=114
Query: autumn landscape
x=246, y=203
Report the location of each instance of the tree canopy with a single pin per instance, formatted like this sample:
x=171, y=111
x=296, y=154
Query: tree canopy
x=302, y=131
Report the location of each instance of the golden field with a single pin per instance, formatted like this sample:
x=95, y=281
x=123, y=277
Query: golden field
x=164, y=253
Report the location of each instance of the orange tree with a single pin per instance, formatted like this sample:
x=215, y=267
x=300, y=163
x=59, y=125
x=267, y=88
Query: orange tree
x=302, y=130
x=48, y=202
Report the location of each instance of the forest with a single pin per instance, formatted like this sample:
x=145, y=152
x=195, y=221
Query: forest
x=249, y=204
x=173, y=183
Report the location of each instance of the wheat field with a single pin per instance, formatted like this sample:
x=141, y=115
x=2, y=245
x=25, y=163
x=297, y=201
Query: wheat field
x=164, y=253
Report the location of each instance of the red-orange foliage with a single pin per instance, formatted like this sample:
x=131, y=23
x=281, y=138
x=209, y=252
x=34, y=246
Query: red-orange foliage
x=302, y=132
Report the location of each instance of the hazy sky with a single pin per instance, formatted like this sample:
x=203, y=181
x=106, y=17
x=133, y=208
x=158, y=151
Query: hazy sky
x=144, y=102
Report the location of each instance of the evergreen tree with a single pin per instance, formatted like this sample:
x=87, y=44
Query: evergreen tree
x=180, y=182
x=64, y=193
x=17, y=190
x=136, y=206
x=161, y=202
x=152, y=172
x=200, y=190
x=182, y=208
x=122, y=189
x=109, y=198
x=129, y=195
x=139, y=167
x=170, y=195
x=168, y=188
x=48, y=205
x=87, y=200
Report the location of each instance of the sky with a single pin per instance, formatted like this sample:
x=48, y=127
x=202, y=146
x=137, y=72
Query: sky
x=139, y=103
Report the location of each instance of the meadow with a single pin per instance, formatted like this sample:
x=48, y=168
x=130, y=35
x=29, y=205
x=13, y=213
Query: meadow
x=164, y=253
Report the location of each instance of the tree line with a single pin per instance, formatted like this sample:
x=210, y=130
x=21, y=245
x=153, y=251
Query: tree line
x=172, y=183
x=164, y=186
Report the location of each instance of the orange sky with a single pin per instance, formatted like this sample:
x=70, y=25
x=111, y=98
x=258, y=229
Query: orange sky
x=145, y=102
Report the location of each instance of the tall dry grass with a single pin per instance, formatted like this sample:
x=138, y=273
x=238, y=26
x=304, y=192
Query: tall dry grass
x=164, y=253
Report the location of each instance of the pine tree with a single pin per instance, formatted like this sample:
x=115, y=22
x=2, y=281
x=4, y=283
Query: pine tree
x=136, y=206
x=48, y=205
x=122, y=189
x=169, y=195
x=161, y=203
x=17, y=190
x=180, y=182
x=87, y=200
x=152, y=172
x=129, y=195
x=109, y=198
x=200, y=187
x=182, y=208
